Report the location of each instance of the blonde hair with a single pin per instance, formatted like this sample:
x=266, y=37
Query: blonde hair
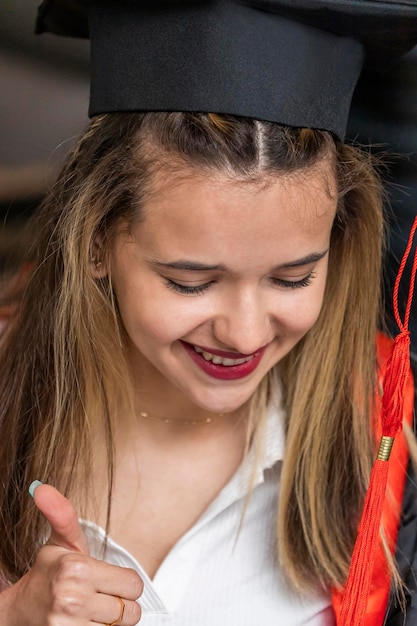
x=62, y=357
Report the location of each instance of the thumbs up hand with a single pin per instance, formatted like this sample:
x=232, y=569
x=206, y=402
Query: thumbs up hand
x=65, y=586
x=65, y=528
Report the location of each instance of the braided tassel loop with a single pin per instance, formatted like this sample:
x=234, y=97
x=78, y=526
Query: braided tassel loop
x=356, y=593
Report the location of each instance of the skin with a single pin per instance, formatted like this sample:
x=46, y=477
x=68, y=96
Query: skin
x=261, y=289
x=66, y=586
x=254, y=232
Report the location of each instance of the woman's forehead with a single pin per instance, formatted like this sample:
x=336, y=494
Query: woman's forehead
x=175, y=176
x=198, y=206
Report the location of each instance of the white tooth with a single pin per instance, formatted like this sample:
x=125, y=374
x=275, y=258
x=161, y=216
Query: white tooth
x=218, y=360
x=228, y=362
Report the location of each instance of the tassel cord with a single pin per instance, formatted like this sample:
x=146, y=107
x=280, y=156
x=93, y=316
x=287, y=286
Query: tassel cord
x=358, y=585
x=404, y=326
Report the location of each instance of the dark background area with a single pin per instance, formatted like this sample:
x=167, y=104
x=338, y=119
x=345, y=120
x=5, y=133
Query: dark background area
x=384, y=114
x=43, y=107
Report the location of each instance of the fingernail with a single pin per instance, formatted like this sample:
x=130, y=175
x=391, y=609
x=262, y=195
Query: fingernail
x=33, y=486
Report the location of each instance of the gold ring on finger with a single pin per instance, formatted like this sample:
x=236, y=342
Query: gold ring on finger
x=122, y=612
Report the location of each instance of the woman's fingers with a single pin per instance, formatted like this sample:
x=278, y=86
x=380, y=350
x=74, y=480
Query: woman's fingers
x=85, y=588
x=75, y=570
x=70, y=586
x=111, y=610
x=66, y=531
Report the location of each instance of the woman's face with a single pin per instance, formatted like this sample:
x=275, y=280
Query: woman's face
x=221, y=279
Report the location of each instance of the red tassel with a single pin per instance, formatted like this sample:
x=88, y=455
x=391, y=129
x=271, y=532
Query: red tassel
x=355, y=597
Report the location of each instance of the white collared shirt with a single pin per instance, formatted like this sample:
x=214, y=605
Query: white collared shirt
x=215, y=576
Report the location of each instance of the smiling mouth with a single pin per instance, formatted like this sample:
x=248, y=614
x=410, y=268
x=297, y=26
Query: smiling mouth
x=227, y=362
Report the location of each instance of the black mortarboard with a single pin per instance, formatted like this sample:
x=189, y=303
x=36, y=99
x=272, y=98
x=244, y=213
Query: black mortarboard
x=295, y=62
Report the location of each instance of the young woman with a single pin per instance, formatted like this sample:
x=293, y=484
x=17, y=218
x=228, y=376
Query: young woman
x=194, y=365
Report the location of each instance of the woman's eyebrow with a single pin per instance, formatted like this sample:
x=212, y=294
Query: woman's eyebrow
x=307, y=260
x=194, y=266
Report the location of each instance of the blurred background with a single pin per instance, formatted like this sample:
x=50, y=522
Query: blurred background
x=43, y=108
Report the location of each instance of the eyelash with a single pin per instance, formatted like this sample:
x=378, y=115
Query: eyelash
x=199, y=289
x=295, y=284
x=189, y=291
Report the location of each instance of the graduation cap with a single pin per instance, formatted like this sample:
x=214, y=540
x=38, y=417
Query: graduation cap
x=294, y=62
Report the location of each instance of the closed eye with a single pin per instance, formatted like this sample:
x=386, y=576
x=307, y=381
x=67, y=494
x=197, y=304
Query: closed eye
x=294, y=284
x=188, y=290
x=193, y=290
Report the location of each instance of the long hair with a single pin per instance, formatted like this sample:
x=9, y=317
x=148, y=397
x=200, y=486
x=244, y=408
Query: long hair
x=62, y=359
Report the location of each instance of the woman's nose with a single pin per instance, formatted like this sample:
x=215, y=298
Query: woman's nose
x=244, y=324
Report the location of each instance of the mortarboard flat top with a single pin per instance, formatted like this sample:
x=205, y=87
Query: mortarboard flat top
x=294, y=62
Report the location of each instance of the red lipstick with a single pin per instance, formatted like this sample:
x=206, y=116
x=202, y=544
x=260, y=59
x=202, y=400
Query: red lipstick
x=224, y=372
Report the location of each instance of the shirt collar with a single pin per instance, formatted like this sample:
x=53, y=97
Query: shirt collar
x=274, y=434
x=251, y=472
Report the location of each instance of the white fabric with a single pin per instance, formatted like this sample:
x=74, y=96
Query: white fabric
x=214, y=576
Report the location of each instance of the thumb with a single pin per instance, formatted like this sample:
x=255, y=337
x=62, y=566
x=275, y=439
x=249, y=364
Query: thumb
x=66, y=531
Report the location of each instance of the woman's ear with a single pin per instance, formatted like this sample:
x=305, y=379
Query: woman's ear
x=98, y=265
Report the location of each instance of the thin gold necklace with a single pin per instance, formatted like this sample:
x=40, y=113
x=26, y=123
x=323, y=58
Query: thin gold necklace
x=169, y=420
